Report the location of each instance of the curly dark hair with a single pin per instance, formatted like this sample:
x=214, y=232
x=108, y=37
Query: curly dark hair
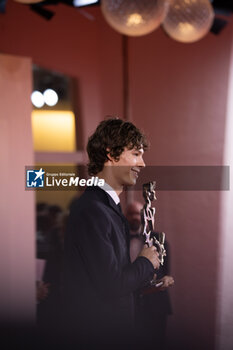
x=111, y=137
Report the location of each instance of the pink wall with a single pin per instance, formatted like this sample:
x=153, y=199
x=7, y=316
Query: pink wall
x=17, y=248
x=225, y=279
x=72, y=44
x=178, y=95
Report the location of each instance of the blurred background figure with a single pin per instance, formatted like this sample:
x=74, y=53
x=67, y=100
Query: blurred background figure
x=51, y=220
x=152, y=306
x=42, y=290
x=42, y=231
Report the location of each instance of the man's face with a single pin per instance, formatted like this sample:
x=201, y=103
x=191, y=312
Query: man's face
x=126, y=170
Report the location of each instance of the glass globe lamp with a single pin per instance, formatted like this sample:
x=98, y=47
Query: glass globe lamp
x=134, y=17
x=29, y=1
x=188, y=20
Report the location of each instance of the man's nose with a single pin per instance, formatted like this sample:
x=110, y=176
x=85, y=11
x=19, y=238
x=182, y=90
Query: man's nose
x=141, y=163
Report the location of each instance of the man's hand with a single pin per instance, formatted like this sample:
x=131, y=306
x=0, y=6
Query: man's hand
x=151, y=254
x=168, y=281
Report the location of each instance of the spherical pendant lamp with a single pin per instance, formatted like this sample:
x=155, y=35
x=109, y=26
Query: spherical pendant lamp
x=29, y=2
x=188, y=20
x=134, y=17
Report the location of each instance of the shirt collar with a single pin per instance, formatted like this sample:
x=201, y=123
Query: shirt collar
x=112, y=193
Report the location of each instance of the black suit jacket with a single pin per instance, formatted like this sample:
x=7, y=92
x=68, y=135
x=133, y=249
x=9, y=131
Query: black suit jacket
x=99, y=278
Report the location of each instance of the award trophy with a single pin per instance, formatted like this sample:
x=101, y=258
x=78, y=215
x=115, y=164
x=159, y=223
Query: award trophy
x=147, y=218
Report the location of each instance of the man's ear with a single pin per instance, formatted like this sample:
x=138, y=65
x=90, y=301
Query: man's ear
x=108, y=155
x=110, y=158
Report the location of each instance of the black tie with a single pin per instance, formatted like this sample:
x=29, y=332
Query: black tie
x=119, y=207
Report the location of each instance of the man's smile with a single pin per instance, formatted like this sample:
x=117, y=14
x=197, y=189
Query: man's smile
x=135, y=171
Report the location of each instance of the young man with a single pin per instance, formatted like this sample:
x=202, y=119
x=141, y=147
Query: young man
x=99, y=277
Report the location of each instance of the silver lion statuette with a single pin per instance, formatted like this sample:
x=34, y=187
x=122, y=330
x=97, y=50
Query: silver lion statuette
x=148, y=218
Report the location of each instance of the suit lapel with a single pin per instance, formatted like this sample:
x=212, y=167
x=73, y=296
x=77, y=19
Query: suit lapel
x=104, y=197
x=123, y=218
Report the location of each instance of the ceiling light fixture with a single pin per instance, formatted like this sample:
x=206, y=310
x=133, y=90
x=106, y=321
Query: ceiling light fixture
x=80, y=3
x=188, y=20
x=134, y=17
x=28, y=2
x=37, y=99
x=50, y=97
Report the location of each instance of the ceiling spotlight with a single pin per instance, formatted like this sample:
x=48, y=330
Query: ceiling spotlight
x=50, y=97
x=37, y=99
x=134, y=17
x=80, y=3
x=188, y=20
